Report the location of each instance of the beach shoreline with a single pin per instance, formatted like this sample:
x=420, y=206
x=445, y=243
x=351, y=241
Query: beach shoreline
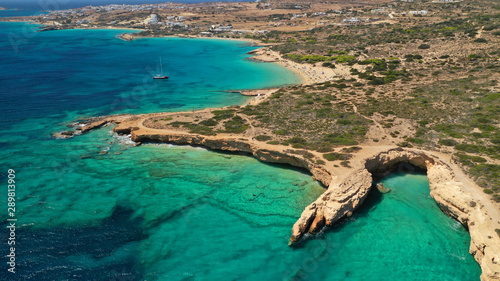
x=309, y=73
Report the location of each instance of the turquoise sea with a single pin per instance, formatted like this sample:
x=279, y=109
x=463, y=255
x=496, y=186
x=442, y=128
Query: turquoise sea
x=164, y=212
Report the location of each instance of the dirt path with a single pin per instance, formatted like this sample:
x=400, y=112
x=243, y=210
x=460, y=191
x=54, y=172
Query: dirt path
x=375, y=131
x=252, y=128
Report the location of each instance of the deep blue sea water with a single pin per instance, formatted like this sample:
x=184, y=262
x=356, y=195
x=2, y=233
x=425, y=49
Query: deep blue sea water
x=19, y=13
x=163, y=212
x=50, y=5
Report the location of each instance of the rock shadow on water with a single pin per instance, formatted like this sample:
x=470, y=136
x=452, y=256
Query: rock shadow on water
x=228, y=154
x=371, y=202
x=402, y=168
x=102, y=252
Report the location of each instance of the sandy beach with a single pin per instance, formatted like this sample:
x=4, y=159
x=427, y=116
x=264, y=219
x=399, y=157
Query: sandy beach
x=309, y=73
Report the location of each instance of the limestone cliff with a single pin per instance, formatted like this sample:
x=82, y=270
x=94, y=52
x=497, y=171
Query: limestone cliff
x=455, y=193
x=341, y=199
x=235, y=145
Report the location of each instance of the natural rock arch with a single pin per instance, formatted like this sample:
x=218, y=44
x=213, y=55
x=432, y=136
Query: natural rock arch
x=341, y=199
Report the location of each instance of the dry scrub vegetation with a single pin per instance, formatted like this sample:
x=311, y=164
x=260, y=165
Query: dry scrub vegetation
x=431, y=83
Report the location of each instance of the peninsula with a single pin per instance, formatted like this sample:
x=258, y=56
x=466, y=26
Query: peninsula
x=384, y=83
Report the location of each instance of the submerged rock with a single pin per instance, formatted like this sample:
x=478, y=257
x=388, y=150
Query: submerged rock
x=382, y=188
x=63, y=135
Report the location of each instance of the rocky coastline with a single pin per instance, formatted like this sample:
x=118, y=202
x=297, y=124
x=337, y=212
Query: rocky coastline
x=342, y=198
x=449, y=187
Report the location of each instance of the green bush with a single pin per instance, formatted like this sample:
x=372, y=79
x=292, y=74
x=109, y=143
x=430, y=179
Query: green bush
x=202, y=130
x=415, y=140
x=337, y=138
x=378, y=64
x=473, y=56
x=308, y=58
x=489, y=170
x=410, y=58
x=424, y=46
x=471, y=148
x=333, y=156
x=276, y=95
x=320, y=162
x=345, y=59
x=345, y=164
x=453, y=130
x=470, y=160
x=376, y=81
x=405, y=144
x=209, y=122
x=298, y=140
x=223, y=114
x=324, y=148
x=351, y=149
x=235, y=125
x=491, y=27
x=448, y=142
x=262, y=138
x=281, y=132
x=177, y=124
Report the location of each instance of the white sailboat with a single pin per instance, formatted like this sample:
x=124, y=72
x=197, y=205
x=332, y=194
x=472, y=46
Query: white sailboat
x=160, y=76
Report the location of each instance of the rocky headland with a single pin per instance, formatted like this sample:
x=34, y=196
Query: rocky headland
x=457, y=195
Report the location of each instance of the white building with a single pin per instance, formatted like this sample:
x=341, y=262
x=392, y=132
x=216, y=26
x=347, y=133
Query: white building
x=352, y=20
x=220, y=28
x=421, y=12
x=379, y=10
x=153, y=19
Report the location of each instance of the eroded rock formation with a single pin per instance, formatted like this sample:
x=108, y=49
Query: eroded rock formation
x=456, y=196
x=341, y=199
x=236, y=145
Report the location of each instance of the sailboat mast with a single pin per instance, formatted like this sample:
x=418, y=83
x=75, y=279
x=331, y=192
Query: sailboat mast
x=160, y=76
x=161, y=67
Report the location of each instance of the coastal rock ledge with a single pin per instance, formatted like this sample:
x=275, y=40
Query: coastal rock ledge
x=456, y=194
x=453, y=195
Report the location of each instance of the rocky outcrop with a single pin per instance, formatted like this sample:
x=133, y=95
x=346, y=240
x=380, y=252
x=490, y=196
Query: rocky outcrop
x=340, y=200
x=264, y=55
x=455, y=197
x=234, y=145
x=337, y=202
x=126, y=36
x=382, y=189
x=455, y=201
